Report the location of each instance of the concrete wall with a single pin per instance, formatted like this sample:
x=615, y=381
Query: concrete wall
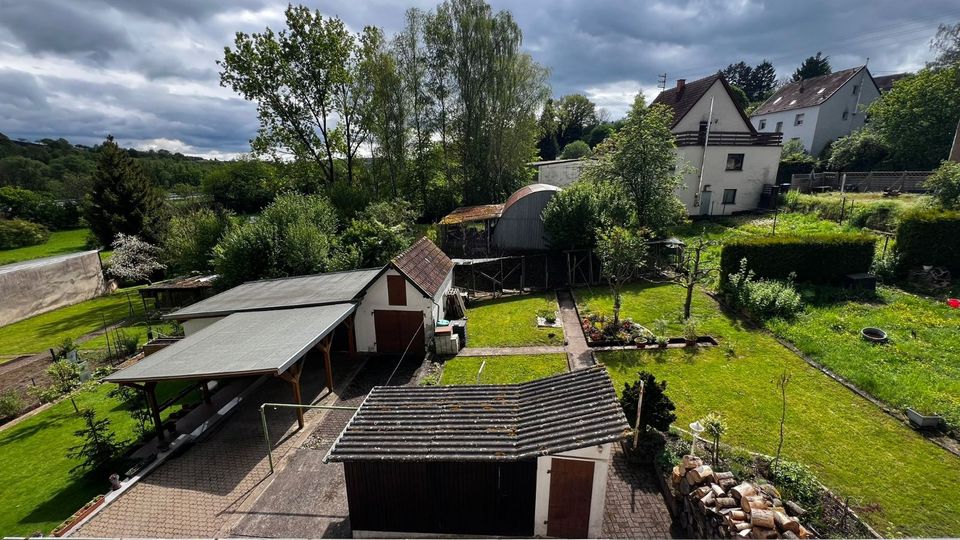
x=34, y=287
x=601, y=456
x=759, y=167
x=559, y=174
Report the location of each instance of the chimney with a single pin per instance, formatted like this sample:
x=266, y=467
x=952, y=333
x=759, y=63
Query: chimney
x=681, y=83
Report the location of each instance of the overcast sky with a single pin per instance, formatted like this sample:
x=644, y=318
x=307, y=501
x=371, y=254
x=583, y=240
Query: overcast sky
x=144, y=70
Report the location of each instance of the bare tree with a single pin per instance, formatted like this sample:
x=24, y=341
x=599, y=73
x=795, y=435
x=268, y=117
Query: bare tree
x=782, y=381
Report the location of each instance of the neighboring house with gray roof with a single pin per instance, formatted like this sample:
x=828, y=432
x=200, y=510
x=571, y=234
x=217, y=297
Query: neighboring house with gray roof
x=728, y=162
x=819, y=110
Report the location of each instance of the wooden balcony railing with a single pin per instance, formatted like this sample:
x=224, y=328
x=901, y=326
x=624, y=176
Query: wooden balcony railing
x=729, y=138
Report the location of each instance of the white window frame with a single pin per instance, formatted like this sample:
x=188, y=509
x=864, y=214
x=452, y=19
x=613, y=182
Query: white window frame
x=798, y=119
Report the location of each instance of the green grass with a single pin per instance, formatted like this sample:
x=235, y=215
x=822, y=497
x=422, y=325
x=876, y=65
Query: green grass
x=41, y=332
x=502, y=369
x=60, y=242
x=919, y=368
x=511, y=322
x=39, y=488
x=905, y=485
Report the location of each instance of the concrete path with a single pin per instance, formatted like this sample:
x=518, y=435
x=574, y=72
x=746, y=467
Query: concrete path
x=578, y=352
x=306, y=497
x=508, y=351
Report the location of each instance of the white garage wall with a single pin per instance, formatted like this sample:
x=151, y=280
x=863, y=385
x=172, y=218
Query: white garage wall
x=376, y=298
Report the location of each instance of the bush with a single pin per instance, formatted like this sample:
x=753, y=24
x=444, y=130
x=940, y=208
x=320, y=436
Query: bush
x=944, y=185
x=241, y=186
x=879, y=215
x=576, y=149
x=777, y=257
x=10, y=404
x=797, y=482
x=929, y=237
x=656, y=410
x=38, y=208
x=15, y=233
x=570, y=217
x=862, y=150
x=761, y=298
x=190, y=239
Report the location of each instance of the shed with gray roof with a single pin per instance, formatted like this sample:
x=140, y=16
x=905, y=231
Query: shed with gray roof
x=526, y=459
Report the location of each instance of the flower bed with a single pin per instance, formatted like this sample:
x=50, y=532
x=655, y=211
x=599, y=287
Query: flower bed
x=600, y=331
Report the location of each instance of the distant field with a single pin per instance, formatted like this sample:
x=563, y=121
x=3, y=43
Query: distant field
x=60, y=243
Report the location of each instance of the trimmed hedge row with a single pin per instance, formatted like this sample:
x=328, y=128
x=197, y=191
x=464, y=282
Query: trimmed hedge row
x=929, y=237
x=817, y=258
x=15, y=233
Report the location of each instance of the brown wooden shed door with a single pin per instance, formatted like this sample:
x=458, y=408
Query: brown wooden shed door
x=395, y=329
x=571, y=491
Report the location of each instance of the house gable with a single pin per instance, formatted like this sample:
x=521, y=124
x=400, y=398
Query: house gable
x=691, y=105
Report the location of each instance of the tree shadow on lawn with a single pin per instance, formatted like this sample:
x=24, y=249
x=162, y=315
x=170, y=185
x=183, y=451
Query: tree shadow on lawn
x=821, y=296
x=81, y=488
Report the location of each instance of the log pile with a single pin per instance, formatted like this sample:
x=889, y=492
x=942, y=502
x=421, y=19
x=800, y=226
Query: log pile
x=715, y=505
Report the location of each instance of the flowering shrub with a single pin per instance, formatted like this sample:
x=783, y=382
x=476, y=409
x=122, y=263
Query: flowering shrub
x=599, y=327
x=762, y=298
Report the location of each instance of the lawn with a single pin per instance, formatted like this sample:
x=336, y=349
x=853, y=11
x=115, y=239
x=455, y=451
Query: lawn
x=39, y=488
x=919, y=368
x=511, y=322
x=60, y=242
x=502, y=369
x=47, y=330
x=904, y=485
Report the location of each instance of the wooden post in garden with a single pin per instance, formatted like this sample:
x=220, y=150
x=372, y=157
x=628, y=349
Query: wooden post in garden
x=636, y=430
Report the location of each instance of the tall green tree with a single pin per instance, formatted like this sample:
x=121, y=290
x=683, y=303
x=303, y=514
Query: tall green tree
x=190, y=239
x=301, y=83
x=548, y=145
x=762, y=80
x=122, y=199
x=410, y=49
x=917, y=118
x=576, y=115
x=812, y=66
x=386, y=116
x=641, y=159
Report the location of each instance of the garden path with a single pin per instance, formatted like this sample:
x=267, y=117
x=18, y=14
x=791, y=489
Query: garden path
x=575, y=346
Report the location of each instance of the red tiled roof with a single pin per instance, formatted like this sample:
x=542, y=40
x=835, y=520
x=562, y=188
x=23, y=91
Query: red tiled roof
x=681, y=100
x=425, y=265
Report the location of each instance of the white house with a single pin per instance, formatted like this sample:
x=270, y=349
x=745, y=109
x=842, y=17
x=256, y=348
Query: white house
x=729, y=162
x=820, y=110
x=395, y=307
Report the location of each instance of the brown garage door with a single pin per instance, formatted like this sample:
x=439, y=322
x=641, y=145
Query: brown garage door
x=395, y=329
x=571, y=491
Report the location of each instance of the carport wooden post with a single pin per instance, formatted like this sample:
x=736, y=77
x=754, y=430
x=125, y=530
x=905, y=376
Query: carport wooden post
x=292, y=376
x=351, y=336
x=205, y=391
x=150, y=389
x=325, y=344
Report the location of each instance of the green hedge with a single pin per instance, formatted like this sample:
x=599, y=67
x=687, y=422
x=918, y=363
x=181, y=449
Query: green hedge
x=15, y=233
x=929, y=237
x=818, y=258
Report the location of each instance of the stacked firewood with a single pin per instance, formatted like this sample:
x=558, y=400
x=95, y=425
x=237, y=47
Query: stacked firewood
x=716, y=505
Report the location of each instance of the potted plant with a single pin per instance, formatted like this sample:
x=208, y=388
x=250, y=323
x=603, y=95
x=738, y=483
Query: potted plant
x=690, y=331
x=662, y=341
x=923, y=421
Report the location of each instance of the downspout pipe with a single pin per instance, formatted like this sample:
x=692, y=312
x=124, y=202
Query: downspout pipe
x=703, y=157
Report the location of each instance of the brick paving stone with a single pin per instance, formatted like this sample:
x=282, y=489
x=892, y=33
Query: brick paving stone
x=634, y=506
x=197, y=492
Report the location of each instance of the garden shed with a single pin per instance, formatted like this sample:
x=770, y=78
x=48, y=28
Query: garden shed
x=527, y=459
x=520, y=227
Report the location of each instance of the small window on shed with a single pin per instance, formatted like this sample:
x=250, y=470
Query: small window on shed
x=734, y=162
x=729, y=196
x=397, y=290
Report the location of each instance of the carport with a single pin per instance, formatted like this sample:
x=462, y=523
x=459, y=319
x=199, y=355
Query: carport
x=269, y=342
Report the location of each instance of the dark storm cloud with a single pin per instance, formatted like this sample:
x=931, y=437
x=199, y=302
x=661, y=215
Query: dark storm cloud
x=145, y=69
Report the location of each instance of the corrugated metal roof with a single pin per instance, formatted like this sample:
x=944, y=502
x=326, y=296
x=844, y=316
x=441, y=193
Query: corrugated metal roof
x=484, y=423
x=524, y=191
x=466, y=214
x=320, y=289
x=425, y=265
x=241, y=344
